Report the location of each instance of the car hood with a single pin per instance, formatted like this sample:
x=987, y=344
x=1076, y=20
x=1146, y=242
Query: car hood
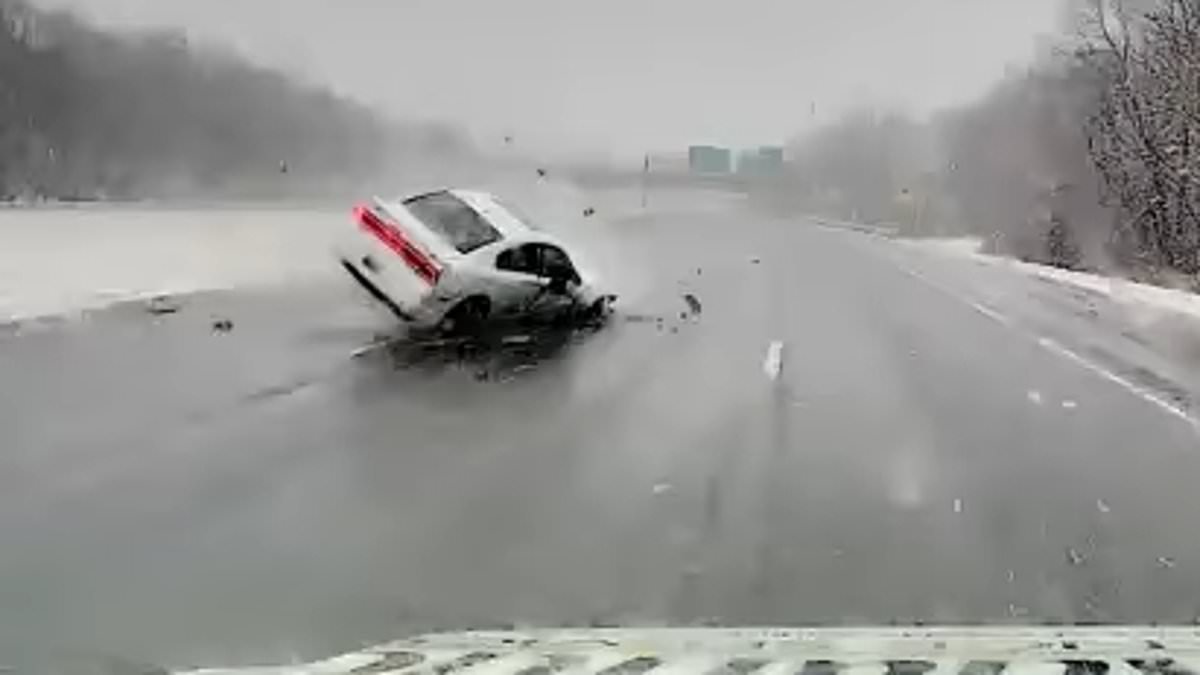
x=764, y=651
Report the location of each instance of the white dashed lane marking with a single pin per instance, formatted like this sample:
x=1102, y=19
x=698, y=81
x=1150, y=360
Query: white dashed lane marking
x=773, y=363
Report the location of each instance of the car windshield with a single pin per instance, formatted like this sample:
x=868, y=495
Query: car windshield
x=871, y=313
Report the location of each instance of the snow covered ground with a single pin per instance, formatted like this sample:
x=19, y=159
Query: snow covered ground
x=56, y=260
x=1129, y=293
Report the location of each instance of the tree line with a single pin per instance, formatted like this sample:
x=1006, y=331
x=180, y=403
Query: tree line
x=1090, y=159
x=87, y=114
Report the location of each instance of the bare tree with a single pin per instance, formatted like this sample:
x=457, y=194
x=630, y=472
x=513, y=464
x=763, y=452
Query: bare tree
x=1143, y=134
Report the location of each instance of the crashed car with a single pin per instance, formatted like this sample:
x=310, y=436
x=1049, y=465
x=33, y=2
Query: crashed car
x=452, y=260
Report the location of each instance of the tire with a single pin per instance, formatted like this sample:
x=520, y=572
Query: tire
x=467, y=317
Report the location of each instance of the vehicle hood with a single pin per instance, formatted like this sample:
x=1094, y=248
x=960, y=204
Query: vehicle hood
x=818, y=651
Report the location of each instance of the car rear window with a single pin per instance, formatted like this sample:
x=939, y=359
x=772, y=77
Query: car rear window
x=453, y=220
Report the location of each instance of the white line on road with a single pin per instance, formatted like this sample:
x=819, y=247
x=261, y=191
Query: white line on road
x=977, y=306
x=773, y=363
x=1055, y=347
x=1133, y=388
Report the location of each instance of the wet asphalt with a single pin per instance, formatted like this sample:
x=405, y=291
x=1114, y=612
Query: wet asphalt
x=833, y=438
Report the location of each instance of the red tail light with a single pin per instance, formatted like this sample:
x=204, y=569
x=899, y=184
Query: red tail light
x=421, y=262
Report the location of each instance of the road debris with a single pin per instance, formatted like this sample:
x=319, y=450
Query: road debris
x=589, y=212
x=1075, y=558
x=1166, y=563
x=222, y=326
x=755, y=261
x=1011, y=576
x=660, y=488
x=1102, y=507
x=1034, y=396
x=693, y=304
x=958, y=506
x=516, y=340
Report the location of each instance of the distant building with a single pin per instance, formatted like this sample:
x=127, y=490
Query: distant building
x=764, y=161
x=771, y=158
x=669, y=163
x=708, y=159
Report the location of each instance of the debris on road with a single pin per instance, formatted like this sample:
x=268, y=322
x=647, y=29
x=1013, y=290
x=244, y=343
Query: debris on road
x=222, y=326
x=1166, y=563
x=755, y=261
x=589, y=212
x=1075, y=558
x=516, y=340
x=161, y=305
x=1035, y=396
x=958, y=506
x=1011, y=576
x=660, y=488
x=1102, y=507
x=693, y=304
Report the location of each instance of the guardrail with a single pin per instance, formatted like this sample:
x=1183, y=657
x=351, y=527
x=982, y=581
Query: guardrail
x=881, y=229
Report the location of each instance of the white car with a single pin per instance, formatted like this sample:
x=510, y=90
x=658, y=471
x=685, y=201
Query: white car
x=452, y=259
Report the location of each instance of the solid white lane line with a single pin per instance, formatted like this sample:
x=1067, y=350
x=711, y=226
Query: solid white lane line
x=1054, y=346
x=1132, y=387
x=773, y=363
x=983, y=309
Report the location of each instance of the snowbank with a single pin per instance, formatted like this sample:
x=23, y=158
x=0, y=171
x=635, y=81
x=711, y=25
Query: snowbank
x=1123, y=291
x=59, y=260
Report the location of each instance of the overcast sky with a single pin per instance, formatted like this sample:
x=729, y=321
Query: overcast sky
x=620, y=75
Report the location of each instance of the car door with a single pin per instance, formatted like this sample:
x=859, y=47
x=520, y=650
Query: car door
x=554, y=263
x=517, y=271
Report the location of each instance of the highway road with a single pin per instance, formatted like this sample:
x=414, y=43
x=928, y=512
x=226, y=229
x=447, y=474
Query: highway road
x=849, y=432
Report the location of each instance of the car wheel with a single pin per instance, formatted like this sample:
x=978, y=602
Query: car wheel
x=467, y=317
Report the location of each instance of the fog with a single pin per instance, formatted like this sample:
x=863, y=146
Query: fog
x=620, y=76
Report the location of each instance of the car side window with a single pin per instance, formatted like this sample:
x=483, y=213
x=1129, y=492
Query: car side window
x=523, y=259
x=556, y=263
